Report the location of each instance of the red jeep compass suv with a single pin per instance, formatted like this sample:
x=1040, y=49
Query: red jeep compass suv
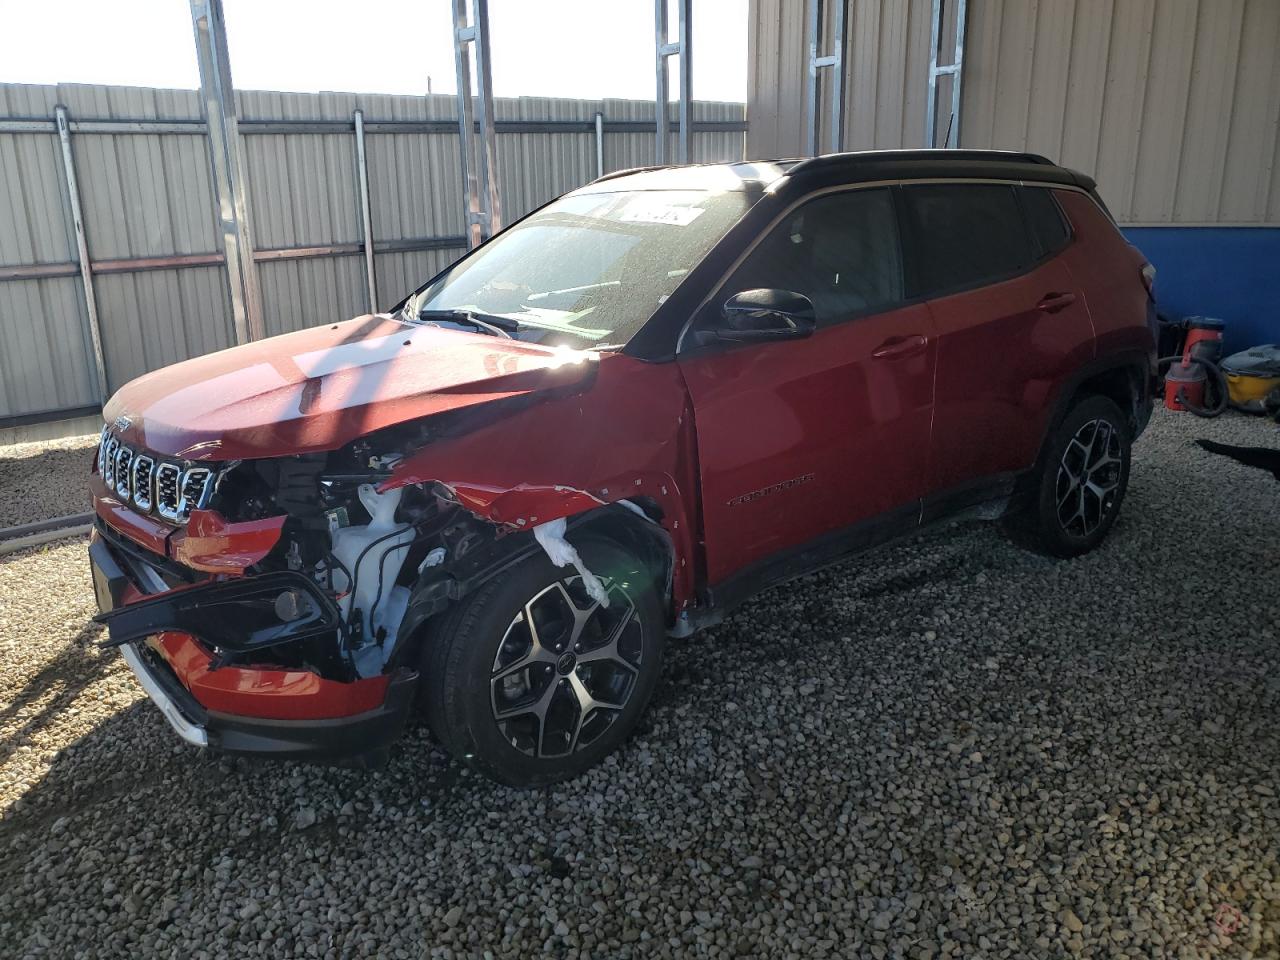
x=613, y=422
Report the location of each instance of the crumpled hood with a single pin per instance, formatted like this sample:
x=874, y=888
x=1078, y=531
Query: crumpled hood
x=320, y=388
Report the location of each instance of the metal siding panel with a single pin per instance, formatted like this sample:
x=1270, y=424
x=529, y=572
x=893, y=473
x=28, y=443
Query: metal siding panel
x=981, y=82
x=1122, y=104
x=34, y=225
x=1082, y=113
x=1164, y=114
x=401, y=273
x=1208, y=112
x=762, y=66
x=917, y=68
x=862, y=69
x=892, y=77
x=305, y=293
x=1050, y=76
x=1100, y=86
x=778, y=68
x=45, y=364
x=150, y=320
x=1017, y=53
x=1255, y=118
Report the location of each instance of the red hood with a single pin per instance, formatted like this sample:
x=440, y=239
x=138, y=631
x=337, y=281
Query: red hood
x=320, y=388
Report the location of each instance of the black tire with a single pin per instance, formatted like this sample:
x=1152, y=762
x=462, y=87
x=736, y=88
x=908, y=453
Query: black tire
x=1092, y=441
x=483, y=637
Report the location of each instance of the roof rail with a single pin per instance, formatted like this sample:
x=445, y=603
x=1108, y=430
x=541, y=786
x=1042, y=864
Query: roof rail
x=631, y=170
x=1005, y=156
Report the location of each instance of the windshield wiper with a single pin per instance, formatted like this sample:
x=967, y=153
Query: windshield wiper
x=487, y=322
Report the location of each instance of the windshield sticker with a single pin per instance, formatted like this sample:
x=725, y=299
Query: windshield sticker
x=646, y=211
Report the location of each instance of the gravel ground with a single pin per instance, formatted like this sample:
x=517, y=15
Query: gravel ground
x=950, y=749
x=40, y=481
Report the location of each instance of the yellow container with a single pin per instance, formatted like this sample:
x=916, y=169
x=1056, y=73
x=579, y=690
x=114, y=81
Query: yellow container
x=1244, y=389
x=1251, y=375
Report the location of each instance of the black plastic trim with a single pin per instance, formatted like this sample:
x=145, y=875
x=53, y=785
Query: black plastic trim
x=110, y=580
x=973, y=496
x=233, y=616
x=839, y=545
x=364, y=737
x=1134, y=361
x=160, y=671
x=49, y=416
x=936, y=165
x=806, y=558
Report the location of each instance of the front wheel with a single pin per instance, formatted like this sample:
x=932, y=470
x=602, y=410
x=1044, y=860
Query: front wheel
x=1082, y=481
x=530, y=681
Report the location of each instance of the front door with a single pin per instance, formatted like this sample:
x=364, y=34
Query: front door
x=802, y=440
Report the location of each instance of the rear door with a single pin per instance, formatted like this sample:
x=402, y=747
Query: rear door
x=800, y=440
x=1011, y=324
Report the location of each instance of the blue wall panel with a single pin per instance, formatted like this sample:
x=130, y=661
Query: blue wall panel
x=1232, y=273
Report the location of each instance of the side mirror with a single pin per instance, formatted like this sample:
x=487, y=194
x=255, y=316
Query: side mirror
x=762, y=316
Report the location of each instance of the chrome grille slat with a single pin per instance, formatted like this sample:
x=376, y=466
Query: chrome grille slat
x=102, y=447
x=164, y=488
x=168, y=479
x=143, y=469
x=124, y=472
x=195, y=484
x=108, y=462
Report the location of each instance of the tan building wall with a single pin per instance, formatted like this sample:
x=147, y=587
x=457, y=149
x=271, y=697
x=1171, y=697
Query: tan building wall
x=1172, y=105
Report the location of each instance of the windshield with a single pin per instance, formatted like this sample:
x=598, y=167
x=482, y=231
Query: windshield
x=585, y=271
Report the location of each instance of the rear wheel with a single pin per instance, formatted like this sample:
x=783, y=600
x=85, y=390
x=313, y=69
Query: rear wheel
x=1082, y=481
x=530, y=681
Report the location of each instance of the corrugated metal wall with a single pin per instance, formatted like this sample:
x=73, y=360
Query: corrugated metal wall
x=1172, y=105
x=151, y=195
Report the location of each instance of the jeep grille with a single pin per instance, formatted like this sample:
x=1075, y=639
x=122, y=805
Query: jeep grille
x=150, y=485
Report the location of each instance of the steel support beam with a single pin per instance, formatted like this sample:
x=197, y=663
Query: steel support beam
x=366, y=214
x=815, y=22
x=479, y=162
x=664, y=49
x=218, y=98
x=82, y=250
x=954, y=69
x=599, y=144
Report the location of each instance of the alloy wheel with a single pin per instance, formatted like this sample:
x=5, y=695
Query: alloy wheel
x=565, y=669
x=1089, y=476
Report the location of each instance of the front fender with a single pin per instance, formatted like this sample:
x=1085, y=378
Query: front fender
x=629, y=437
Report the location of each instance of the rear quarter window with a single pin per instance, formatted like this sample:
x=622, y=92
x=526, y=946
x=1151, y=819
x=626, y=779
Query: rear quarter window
x=965, y=235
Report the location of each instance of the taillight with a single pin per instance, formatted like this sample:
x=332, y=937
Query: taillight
x=1149, y=279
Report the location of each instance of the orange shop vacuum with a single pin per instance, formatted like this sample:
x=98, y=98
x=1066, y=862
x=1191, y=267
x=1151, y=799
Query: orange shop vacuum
x=1195, y=381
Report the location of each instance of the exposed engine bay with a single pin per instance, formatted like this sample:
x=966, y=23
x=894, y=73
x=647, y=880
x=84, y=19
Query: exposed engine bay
x=366, y=549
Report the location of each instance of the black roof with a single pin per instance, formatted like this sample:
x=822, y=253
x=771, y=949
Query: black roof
x=854, y=167
x=938, y=164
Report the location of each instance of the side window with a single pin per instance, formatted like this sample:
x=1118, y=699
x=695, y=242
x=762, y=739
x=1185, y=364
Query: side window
x=1045, y=219
x=965, y=234
x=841, y=251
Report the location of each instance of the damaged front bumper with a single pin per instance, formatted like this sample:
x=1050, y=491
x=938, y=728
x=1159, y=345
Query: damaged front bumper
x=176, y=639
x=363, y=737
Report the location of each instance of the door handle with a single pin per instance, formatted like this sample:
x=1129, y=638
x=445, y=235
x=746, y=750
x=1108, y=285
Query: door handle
x=1053, y=302
x=897, y=347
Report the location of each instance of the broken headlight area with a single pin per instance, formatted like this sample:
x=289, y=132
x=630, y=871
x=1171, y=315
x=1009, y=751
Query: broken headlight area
x=361, y=553
x=235, y=617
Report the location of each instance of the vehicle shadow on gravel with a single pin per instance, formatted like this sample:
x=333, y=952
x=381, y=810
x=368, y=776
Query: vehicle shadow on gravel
x=74, y=669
